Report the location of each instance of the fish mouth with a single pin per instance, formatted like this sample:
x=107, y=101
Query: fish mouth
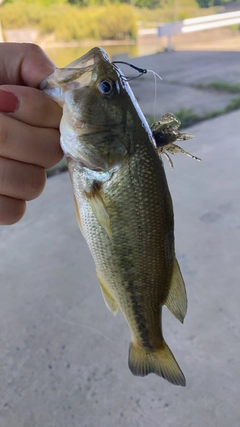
x=90, y=59
x=75, y=75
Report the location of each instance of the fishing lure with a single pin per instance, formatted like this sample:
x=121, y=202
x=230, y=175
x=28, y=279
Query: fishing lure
x=165, y=130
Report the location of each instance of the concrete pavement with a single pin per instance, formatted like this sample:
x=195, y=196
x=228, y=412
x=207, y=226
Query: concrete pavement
x=181, y=74
x=63, y=359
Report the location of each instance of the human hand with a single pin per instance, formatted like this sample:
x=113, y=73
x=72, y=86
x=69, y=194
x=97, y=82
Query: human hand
x=29, y=128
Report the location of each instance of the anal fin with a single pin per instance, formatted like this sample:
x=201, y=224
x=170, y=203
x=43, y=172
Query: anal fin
x=176, y=300
x=107, y=296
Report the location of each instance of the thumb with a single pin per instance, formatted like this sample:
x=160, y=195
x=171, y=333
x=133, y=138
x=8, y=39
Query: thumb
x=23, y=64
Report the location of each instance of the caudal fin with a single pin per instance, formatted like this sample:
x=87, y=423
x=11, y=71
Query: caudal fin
x=160, y=362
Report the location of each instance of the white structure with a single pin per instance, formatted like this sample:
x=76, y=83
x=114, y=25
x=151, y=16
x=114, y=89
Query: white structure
x=198, y=24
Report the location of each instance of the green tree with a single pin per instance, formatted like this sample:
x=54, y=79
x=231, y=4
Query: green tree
x=81, y=2
x=204, y=3
x=150, y=4
x=209, y=3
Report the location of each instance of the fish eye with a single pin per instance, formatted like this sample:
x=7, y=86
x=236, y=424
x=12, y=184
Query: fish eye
x=106, y=86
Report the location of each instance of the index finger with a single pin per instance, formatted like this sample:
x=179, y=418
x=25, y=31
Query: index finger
x=23, y=64
x=35, y=108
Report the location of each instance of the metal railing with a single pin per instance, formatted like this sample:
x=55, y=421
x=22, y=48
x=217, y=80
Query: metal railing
x=197, y=24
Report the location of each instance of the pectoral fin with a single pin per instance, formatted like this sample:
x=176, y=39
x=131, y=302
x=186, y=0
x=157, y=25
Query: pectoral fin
x=99, y=209
x=176, y=300
x=107, y=296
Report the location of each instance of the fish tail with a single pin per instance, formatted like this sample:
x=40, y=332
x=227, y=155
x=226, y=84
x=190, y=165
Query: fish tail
x=160, y=362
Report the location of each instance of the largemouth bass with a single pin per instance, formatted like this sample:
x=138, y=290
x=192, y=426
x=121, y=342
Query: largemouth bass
x=123, y=205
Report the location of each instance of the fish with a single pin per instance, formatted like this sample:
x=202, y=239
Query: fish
x=123, y=204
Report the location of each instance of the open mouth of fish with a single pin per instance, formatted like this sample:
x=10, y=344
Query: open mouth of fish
x=75, y=75
x=78, y=74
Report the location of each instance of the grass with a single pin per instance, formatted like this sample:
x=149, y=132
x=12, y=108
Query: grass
x=188, y=117
x=221, y=86
x=233, y=105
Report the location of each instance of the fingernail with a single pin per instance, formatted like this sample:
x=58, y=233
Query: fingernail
x=9, y=102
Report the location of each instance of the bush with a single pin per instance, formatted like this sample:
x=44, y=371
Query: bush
x=106, y=22
x=13, y=16
x=117, y=22
x=72, y=23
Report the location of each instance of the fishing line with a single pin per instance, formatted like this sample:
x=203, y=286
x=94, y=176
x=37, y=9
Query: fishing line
x=128, y=78
x=142, y=71
x=82, y=325
x=155, y=91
